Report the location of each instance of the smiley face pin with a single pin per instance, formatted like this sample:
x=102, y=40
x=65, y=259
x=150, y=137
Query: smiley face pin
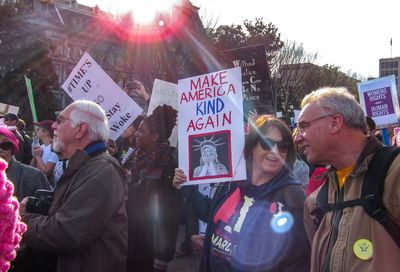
x=363, y=250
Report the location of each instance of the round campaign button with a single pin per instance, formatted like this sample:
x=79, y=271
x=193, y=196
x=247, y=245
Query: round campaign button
x=363, y=249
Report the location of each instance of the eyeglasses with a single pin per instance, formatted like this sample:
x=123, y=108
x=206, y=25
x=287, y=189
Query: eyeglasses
x=6, y=146
x=60, y=119
x=267, y=144
x=303, y=125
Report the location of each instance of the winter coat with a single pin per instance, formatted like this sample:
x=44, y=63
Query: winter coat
x=26, y=179
x=340, y=232
x=153, y=214
x=87, y=223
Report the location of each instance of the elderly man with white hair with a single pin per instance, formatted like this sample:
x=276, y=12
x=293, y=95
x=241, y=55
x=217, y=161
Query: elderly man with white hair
x=86, y=226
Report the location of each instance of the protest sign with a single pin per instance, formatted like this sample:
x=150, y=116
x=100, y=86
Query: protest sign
x=296, y=115
x=257, y=92
x=89, y=81
x=165, y=93
x=211, y=128
x=29, y=89
x=379, y=100
x=6, y=108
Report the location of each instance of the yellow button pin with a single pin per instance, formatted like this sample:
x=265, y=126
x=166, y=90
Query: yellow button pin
x=363, y=250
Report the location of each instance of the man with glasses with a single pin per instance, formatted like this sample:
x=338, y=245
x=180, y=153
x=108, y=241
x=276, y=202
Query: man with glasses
x=86, y=226
x=332, y=131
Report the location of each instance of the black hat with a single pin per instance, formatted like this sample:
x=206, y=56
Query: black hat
x=10, y=117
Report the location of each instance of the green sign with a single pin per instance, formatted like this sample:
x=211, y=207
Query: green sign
x=31, y=99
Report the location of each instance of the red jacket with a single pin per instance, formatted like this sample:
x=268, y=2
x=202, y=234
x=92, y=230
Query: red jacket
x=316, y=180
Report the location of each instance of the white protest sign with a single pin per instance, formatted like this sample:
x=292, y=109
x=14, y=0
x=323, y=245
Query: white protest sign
x=379, y=100
x=211, y=127
x=296, y=115
x=6, y=108
x=165, y=93
x=89, y=81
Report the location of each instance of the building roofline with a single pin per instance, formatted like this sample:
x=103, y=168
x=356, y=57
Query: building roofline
x=394, y=58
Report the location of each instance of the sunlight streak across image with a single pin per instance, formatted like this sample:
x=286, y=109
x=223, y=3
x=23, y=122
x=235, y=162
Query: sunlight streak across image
x=143, y=12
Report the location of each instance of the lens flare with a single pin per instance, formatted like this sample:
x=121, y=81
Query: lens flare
x=143, y=12
x=143, y=22
x=282, y=222
x=161, y=23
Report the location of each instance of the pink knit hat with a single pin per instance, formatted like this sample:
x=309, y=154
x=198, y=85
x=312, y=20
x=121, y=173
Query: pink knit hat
x=11, y=137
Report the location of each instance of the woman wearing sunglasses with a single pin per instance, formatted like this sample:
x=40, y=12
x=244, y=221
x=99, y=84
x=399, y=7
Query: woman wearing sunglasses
x=257, y=224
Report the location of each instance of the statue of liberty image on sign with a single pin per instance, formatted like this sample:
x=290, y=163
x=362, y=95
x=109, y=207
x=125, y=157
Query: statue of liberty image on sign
x=210, y=155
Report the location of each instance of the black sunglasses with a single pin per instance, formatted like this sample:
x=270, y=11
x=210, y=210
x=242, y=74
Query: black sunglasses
x=267, y=144
x=6, y=146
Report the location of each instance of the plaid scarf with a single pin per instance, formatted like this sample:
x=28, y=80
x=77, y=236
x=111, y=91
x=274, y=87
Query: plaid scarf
x=159, y=157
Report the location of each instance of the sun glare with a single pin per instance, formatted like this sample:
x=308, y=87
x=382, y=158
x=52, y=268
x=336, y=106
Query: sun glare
x=143, y=12
x=139, y=20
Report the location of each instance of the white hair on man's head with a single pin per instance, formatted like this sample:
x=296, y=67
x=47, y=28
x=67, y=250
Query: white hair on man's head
x=88, y=112
x=339, y=100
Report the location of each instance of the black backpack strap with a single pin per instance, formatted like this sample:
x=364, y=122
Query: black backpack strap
x=321, y=204
x=341, y=205
x=371, y=195
x=373, y=187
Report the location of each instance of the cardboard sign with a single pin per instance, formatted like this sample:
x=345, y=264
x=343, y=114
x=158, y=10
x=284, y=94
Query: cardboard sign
x=256, y=79
x=211, y=128
x=165, y=93
x=89, y=81
x=31, y=98
x=6, y=108
x=379, y=100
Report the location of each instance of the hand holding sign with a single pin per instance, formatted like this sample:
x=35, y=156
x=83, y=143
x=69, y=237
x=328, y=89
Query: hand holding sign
x=179, y=178
x=141, y=90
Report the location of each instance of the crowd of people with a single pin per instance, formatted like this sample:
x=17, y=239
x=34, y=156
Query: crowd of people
x=92, y=204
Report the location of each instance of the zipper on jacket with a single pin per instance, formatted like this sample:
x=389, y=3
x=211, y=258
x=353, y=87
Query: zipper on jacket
x=337, y=215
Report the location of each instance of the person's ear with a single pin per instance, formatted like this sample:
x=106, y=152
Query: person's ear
x=82, y=129
x=336, y=124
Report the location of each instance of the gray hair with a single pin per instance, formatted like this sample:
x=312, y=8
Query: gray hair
x=338, y=101
x=88, y=112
